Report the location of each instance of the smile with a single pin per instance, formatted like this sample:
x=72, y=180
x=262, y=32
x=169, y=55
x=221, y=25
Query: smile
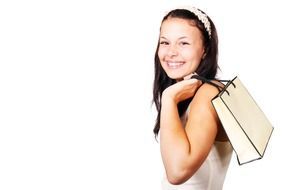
x=174, y=65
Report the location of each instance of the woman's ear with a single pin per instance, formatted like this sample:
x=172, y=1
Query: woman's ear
x=204, y=55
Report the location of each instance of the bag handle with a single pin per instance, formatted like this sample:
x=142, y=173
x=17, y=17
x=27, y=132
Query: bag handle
x=204, y=80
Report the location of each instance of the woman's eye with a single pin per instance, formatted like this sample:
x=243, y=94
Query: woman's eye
x=164, y=43
x=184, y=43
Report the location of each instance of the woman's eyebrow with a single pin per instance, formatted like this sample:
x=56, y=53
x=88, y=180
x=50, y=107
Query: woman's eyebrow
x=180, y=38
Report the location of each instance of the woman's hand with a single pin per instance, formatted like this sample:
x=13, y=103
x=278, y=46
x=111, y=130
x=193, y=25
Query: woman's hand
x=182, y=90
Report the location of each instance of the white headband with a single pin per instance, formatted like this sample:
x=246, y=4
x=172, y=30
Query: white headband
x=201, y=16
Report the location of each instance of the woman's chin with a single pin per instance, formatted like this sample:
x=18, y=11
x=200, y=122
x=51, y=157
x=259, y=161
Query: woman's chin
x=177, y=77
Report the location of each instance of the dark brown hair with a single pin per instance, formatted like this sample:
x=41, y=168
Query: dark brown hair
x=207, y=68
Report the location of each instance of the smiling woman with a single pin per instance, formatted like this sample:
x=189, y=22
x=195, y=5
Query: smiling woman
x=181, y=47
x=193, y=144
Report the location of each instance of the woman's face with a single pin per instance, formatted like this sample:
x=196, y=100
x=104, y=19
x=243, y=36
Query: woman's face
x=180, y=47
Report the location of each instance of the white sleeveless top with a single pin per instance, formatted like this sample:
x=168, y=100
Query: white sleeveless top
x=211, y=174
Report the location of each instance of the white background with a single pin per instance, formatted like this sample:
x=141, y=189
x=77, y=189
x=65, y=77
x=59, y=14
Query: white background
x=76, y=88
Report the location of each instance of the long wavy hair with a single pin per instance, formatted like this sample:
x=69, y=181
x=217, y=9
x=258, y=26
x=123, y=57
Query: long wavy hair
x=207, y=68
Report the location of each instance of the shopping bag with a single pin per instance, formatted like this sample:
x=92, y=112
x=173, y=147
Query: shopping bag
x=245, y=124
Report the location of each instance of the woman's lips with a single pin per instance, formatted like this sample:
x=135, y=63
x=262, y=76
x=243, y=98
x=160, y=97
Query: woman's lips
x=174, y=64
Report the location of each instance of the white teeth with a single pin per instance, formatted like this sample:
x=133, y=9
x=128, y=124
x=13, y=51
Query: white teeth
x=174, y=64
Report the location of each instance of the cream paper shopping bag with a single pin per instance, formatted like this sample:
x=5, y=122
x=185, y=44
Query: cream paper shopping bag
x=247, y=127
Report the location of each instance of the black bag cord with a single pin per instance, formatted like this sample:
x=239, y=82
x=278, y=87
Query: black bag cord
x=204, y=80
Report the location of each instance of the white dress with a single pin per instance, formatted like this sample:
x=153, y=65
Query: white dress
x=211, y=174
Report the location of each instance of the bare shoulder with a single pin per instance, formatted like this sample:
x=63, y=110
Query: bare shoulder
x=207, y=91
x=202, y=104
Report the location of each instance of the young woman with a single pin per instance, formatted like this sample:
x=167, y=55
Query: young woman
x=194, y=147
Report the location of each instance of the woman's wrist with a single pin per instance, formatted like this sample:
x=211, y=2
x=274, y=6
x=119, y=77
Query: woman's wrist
x=168, y=97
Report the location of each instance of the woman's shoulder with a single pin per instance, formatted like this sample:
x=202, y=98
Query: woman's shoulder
x=202, y=100
x=208, y=91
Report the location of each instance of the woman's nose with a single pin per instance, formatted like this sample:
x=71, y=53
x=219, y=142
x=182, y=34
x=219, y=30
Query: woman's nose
x=172, y=50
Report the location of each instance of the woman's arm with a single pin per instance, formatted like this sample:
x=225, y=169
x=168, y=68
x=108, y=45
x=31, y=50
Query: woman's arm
x=184, y=150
